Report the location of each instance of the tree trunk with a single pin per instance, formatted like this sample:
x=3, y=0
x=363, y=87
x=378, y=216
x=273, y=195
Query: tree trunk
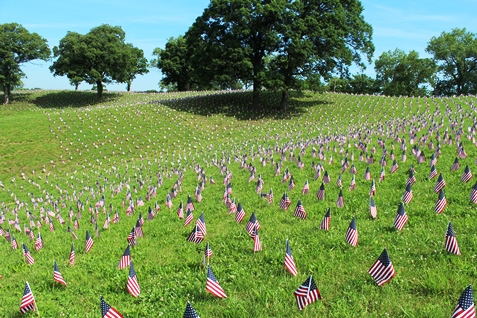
x=76, y=86
x=128, y=86
x=256, y=93
x=284, y=102
x=99, y=87
x=6, y=92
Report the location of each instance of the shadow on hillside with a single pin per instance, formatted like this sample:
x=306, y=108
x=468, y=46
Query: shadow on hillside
x=62, y=99
x=239, y=105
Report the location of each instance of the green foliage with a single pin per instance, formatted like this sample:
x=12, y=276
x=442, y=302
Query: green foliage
x=18, y=46
x=456, y=55
x=63, y=145
x=100, y=56
x=398, y=73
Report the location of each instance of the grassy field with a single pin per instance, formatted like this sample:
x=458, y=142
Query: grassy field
x=63, y=147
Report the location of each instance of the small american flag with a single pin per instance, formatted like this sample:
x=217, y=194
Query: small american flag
x=270, y=197
x=28, y=301
x=473, y=193
x=291, y=184
x=441, y=202
x=27, y=255
x=190, y=312
x=300, y=210
x=440, y=183
x=109, y=312
x=451, y=241
x=372, y=208
x=195, y=236
x=321, y=192
x=352, y=233
x=433, y=172
x=340, y=201
x=190, y=204
x=57, y=275
x=407, y=195
x=89, y=242
x=465, y=307
x=252, y=224
x=201, y=224
x=307, y=293
x=382, y=270
x=257, y=245
x=72, y=254
x=306, y=188
x=394, y=167
x=455, y=166
x=325, y=224
x=232, y=207
x=208, y=251
x=289, y=261
x=38, y=243
x=367, y=174
x=240, y=213
x=352, y=185
x=189, y=217
x=411, y=179
x=180, y=211
x=326, y=178
x=372, y=190
x=401, y=217
x=285, y=202
x=213, y=286
x=466, y=175
x=125, y=259
x=132, y=285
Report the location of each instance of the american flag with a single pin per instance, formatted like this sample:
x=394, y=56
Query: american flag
x=367, y=174
x=28, y=301
x=190, y=204
x=473, y=193
x=339, y=182
x=407, y=195
x=232, y=207
x=109, y=312
x=289, y=261
x=321, y=192
x=455, y=166
x=195, y=236
x=285, y=202
x=291, y=184
x=189, y=217
x=433, y=161
x=270, y=197
x=372, y=190
x=72, y=254
x=465, y=307
x=138, y=230
x=300, y=210
x=352, y=185
x=27, y=255
x=198, y=196
x=440, y=184
x=326, y=178
x=441, y=202
x=352, y=233
x=252, y=224
x=213, y=286
x=394, y=167
x=353, y=170
x=411, y=179
x=307, y=293
x=150, y=213
x=39, y=243
x=57, y=275
x=306, y=188
x=72, y=233
x=190, y=312
x=433, y=172
x=382, y=270
x=89, y=242
x=382, y=176
x=201, y=224
x=257, y=245
x=168, y=201
x=325, y=224
x=240, y=213
x=451, y=241
x=180, y=211
x=372, y=208
x=14, y=243
x=401, y=217
x=208, y=251
x=132, y=285
x=340, y=201
x=466, y=175
x=125, y=259
x=140, y=220
x=403, y=157
x=106, y=222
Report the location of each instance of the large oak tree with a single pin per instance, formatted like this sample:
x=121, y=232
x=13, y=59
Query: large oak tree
x=98, y=57
x=18, y=46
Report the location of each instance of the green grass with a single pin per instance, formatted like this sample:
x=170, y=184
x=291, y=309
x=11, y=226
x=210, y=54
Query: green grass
x=66, y=146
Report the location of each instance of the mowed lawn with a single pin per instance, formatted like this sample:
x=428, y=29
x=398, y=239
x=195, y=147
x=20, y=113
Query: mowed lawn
x=61, y=150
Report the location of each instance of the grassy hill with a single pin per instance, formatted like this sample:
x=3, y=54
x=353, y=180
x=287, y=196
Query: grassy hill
x=60, y=148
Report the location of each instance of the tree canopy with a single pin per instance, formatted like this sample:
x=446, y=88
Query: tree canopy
x=456, y=55
x=100, y=56
x=18, y=46
x=398, y=73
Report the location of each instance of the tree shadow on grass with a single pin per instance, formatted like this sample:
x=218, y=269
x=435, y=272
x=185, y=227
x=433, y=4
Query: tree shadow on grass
x=64, y=99
x=239, y=105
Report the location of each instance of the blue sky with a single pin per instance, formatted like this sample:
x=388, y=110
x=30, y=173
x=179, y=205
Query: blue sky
x=407, y=25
